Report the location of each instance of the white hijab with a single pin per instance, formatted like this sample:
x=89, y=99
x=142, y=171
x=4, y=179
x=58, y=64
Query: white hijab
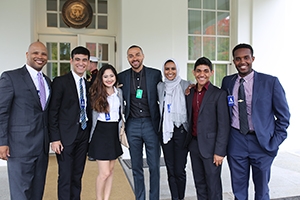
x=175, y=114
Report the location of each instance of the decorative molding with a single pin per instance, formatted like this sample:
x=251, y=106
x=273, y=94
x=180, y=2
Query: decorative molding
x=77, y=13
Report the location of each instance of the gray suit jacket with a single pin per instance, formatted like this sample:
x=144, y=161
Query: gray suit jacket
x=23, y=123
x=213, y=124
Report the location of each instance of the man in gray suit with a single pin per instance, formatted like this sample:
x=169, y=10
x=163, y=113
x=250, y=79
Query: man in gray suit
x=209, y=126
x=24, y=138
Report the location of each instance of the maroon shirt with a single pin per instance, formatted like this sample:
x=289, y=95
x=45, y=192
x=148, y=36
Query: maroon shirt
x=197, y=100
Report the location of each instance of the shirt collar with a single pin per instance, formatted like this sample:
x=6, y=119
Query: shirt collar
x=248, y=77
x=76, y=77
x=205, y=87
x=32, y=71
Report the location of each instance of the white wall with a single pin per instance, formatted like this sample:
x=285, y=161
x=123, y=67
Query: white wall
x=271, y=30
x=159, y=27
x=16, y=33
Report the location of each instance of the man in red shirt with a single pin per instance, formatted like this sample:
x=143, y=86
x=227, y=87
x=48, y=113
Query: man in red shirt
x=209, y=127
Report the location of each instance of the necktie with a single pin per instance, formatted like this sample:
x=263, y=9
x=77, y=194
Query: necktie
x=42, y=91
x=82, y=106
x=244, y=127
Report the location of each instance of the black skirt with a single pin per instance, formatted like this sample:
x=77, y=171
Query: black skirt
x=105, y=143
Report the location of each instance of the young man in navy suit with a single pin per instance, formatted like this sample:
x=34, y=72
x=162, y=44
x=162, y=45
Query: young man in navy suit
x=70, y=123
x=266, y=121
x=208, y=132
x=24, y=134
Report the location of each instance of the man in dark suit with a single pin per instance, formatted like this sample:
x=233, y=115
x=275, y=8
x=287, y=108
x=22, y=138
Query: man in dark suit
x=266, y=120
x=69, y=124
x=142, y=119
x=24, y=136
x=208, y=133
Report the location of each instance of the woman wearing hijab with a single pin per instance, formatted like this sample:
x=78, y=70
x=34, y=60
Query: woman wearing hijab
x=173, y=127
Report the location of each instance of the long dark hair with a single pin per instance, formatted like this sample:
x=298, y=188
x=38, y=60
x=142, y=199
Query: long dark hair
x=98, y=91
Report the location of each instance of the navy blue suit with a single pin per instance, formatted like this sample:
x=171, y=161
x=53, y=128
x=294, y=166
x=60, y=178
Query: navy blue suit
x=270, y=117
x=143, y=130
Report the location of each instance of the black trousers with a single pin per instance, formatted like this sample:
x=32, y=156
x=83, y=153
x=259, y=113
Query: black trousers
x=207, y=176
x=71, y=164
x=175, y=156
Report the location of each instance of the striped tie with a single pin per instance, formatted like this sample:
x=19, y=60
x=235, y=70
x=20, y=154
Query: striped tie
x=244, y=127
x=82, y=106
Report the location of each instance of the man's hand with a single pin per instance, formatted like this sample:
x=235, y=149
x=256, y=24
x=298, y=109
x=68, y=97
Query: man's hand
x=57, y=147
x=188, y=89
x=4, y=152
x=218, y=160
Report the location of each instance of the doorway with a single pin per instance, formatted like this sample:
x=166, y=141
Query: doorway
x=60, y=47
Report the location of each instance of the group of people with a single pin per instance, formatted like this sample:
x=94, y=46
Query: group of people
x=246, y=120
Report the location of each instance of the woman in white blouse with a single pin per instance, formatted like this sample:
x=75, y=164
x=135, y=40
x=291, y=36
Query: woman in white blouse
x=105, y=147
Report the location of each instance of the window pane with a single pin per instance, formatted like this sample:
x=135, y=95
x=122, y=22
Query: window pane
x=92, y=24
x=52, y=50
x=51, y=20
x=223, y=5
x=64, y=68
x=194, y=4
x=102, y=6
x=100, y=64
x=61, y=22
x=51, y=5
x=65, y=51
x=194, y=22
x=209, y=4
x=51, y=69
x=220, y=72
x=102, y=22
x=92, y=48
x=61, y=3
x=209, y=23
x=194, y=47
x=92, y=3
x=103, y=52
x=223, y=49
x=190, y=76
x=209, y=47
x=223, y=23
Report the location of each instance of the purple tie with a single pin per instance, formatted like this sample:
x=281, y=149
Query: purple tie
x=42, y=92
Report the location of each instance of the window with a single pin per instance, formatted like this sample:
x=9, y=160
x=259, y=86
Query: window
x=100, y=14
x=209, y=35
x=58, y=59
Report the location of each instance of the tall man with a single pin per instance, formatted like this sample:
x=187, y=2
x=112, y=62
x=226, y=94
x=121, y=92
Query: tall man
x=259, y=121
x=69, y=123
x=142, y=119
x=24, y=136
x=208, y=133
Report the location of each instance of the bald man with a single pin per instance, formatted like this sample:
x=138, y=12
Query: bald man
x=24, y=138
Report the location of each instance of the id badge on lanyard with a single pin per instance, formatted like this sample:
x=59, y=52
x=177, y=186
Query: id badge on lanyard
x=82, y=103
x=139, y=93
x=230, y=100
x=107, y=116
